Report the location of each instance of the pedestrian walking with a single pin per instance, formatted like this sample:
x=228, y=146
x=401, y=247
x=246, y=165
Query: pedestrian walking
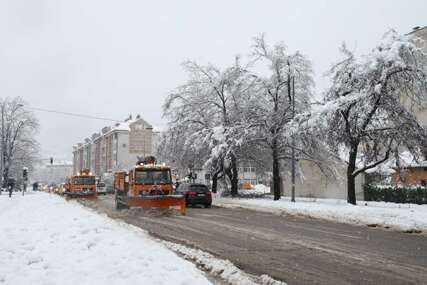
x=10, y=186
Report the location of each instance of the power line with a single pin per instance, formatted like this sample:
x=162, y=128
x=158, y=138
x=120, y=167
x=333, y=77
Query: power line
x=73, y=114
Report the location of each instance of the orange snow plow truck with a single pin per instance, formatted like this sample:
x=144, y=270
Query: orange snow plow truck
x=81, y=185
x=147, y=185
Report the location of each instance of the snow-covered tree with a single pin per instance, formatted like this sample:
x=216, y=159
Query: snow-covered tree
x=17, y=133
x=204, y=123
x=286, y=90
x=364, y=117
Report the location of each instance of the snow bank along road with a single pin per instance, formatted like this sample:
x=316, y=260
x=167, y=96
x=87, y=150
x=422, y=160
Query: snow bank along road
x=298, y=250
x=46, y=240
x=406, y=217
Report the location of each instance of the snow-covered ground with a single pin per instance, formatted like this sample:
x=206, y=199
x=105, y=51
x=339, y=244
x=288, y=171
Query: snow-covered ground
x=46, y=240
x=223, y=269
x=398, y=216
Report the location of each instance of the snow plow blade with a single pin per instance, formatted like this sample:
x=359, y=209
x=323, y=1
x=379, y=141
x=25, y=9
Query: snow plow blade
x=157, y=201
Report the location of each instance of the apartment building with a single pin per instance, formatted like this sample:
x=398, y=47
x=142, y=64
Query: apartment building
x=114, y=147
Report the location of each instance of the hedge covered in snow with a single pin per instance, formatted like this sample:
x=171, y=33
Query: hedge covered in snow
x=399, y=194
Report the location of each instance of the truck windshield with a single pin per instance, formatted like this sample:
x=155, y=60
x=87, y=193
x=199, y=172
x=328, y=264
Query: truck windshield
x=84, y=180
x=152, y=177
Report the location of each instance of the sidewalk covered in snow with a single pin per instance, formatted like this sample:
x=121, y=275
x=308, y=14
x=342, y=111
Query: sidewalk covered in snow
x=407, y=217
x=47, y=240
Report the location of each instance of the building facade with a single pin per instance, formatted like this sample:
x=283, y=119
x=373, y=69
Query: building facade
x=247, y=174
x=114, y=147
x=52, y=173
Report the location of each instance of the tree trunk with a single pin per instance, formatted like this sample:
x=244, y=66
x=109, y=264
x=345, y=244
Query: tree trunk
x=5, y=174
x=234, y=177
x=351, y=185
x=351, y=189
x=214, y=182
x=276, y=172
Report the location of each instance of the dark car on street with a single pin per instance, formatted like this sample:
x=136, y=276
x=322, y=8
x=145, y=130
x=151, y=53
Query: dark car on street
x=195, y=194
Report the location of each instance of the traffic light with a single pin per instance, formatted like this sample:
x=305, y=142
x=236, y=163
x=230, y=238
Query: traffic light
x=25, y=174
x=51, y=160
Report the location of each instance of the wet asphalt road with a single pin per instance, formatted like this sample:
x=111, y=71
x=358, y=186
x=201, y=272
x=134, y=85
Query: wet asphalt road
x=297, y=250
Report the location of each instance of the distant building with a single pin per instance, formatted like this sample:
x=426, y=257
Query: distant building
x=411, y=175
x=52, y=173
x=115, y=147
x=247, y=174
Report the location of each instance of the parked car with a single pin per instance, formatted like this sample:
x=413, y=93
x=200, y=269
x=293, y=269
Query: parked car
x=195, y=194
x=101, y=188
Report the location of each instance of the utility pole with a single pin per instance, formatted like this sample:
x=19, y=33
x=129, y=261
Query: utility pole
x=293, y=142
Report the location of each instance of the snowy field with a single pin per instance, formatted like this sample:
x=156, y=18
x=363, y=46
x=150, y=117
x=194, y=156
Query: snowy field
x=46, y=240
x=398, y=216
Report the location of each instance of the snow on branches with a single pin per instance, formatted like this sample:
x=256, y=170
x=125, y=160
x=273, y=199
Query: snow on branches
x=18, y=146
x=205, y=114
x=367, y=109
x=219, y=116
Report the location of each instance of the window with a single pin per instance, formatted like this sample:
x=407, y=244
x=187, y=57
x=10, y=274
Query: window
x=199, y=188
x=245, y=169
x=182, y=188
x=152, y=177
x=84, y=180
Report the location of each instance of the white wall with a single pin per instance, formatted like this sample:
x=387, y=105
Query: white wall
x=316, y=184
x=52, y=173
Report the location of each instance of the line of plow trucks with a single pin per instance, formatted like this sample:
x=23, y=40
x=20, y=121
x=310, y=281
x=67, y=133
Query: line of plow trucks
x=147, y=185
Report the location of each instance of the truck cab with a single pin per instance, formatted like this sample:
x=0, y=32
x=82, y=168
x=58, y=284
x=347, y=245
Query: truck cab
x=82, y=184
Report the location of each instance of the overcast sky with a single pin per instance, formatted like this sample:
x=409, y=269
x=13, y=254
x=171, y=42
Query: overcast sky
x=112, y=58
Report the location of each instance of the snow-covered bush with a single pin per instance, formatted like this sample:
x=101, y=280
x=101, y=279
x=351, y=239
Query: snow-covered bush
x=399, y=194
